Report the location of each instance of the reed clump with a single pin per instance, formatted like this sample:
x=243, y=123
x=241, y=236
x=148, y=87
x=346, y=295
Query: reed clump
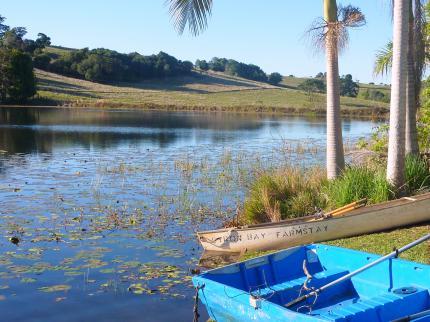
x=417, y=173
x=283, y=193
x=294, y=192
x=358, y=182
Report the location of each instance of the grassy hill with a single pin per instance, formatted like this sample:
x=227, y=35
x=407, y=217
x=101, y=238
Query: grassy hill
x=199, y=91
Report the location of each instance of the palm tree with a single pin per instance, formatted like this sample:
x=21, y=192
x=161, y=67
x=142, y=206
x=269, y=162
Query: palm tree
x=330, y=32
x=411, y=134
x=396, y=141
x=335, y=154
x=416, y=65
x=334, y=37
x=384, y=60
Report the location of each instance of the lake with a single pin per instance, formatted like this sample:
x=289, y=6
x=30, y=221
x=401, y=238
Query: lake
x=102, y=205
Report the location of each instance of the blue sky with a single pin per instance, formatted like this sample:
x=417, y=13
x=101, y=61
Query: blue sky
x=267, y=33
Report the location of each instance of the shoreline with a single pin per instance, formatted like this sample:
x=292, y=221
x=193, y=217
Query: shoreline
x=377, y=113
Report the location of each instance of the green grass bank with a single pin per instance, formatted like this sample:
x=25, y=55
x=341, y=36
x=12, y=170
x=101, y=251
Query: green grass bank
x=201, y=91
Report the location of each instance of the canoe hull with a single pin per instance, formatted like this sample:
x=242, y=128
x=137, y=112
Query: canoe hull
x=390, y=215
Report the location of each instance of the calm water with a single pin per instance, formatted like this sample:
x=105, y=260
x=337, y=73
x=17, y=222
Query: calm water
x=105, y=204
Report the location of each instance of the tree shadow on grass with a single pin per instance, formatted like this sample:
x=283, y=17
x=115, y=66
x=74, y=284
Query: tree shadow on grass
x=182, y=83
x=48, y=83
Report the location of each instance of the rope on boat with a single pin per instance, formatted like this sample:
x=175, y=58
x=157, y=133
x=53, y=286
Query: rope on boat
x=196, y=303
x=305, y=287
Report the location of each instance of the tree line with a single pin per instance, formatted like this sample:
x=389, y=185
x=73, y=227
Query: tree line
x=104, y=65
x=348, y=87
x=235, y=68
x=19, y=55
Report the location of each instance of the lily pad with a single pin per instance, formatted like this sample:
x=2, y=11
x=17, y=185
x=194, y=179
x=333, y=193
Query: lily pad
x=55, y=288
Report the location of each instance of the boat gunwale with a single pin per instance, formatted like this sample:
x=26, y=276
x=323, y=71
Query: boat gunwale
x=317, y=245
x=301, y=220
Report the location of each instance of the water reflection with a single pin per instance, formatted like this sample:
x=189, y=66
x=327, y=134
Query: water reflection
x=42, y=130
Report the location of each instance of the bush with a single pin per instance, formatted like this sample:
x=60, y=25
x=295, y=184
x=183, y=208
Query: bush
x=417, y=173
x=284, y=194
x=274, y=78
x=374, y=95
x=358, y=182
x=17, y=81
x=42, y=61
x=312, y=85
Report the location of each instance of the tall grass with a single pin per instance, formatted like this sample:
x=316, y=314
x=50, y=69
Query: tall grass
x=417, y=173
x=284, y=193
x=292, y=192
x=358, y=182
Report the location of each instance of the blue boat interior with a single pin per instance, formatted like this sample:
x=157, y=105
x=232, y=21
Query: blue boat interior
x=390, y=290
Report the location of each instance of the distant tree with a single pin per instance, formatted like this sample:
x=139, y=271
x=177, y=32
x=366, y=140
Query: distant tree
x=13, y=38
x=202, y=64
x=29, y=46
x=348, y=87
x=274, y=78
x=374, y=95
x=17, y=81
x=218, y=64
x=187, y=66
x=43, y=41
x=3, y=27
x=311, y=87
x=42, y=61
x=320, y=75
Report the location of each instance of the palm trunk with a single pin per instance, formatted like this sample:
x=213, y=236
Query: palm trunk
x=411, y=135
x=335, y=156
x=396, y=142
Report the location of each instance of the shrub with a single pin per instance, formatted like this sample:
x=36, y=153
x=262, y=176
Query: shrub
x=17, y=81
x=312, y=86
x=358, y=182
x=417, y=173
x=282, y=194
x=274, y=78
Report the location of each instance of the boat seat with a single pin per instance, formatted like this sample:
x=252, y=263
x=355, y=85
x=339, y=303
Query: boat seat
x=381, y=307
x=297, y=283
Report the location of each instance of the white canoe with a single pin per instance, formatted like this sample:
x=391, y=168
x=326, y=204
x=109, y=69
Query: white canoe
x=384, y=216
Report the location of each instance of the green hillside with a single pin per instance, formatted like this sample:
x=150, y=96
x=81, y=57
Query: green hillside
x=197, y=91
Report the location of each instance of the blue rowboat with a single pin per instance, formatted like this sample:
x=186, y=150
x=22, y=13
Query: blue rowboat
x=259, y=289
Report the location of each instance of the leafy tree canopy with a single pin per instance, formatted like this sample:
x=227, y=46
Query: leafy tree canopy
x=202, y=64
x=348, y=87
x=274, y=78
x=104, y=65
x=313, y=85
x=17, y=81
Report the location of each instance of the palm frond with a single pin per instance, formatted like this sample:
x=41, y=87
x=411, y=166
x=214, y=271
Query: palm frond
x=337, y=32
x=351, y=17
x=193, y=13
x=384, y=60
